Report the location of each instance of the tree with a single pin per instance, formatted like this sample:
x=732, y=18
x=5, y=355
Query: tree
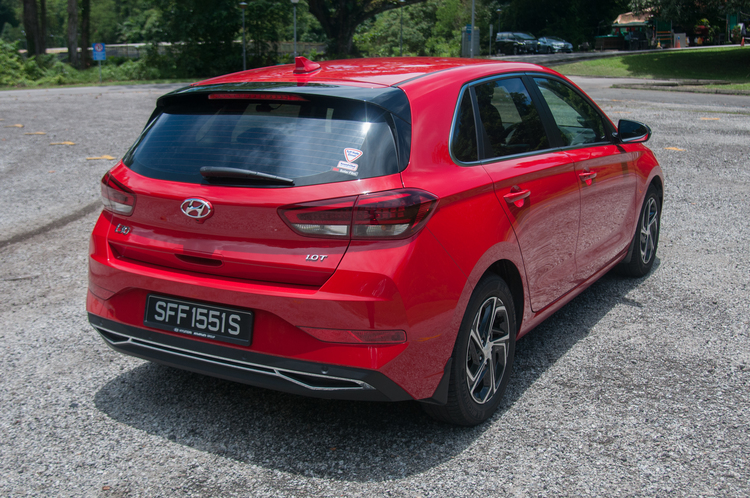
x=34, y=35
x=574, y=20
x=264, y=22
x=72, y=32
x=340, y=18
x=85, y=32
x=431, y=29
x=203, y=36
x=687, y=12
x=42, y=26
x=7, y=13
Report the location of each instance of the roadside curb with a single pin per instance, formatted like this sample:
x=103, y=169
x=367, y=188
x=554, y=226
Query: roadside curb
x=683, y=86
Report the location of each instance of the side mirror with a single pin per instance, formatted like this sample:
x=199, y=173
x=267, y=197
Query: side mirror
x=632, y=131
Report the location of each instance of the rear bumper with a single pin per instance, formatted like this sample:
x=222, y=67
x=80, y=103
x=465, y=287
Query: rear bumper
x=261, y=370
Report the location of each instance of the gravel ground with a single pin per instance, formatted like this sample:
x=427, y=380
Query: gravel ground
x=637, y=387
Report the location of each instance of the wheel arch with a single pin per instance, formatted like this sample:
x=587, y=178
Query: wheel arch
x=508, y=271
x=657, y=183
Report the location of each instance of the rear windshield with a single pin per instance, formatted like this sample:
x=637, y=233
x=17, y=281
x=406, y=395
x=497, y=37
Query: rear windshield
x=311, y=141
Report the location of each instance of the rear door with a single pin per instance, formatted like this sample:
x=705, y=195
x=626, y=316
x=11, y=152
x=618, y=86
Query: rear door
x=536, y=186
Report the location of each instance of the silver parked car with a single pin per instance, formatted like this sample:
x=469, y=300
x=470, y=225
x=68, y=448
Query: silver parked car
x=553, y=44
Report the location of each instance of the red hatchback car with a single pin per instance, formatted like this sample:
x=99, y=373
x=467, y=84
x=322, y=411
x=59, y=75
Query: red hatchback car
x=379, y=229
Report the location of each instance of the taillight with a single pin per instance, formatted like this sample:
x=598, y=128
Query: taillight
x=330, y=218
x=395, y=214
x=392, y=215
x=115, y=197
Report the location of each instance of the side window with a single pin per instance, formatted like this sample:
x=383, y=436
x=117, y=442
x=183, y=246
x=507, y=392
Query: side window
x=577, y=120
x=465, y=134
x=510, y=121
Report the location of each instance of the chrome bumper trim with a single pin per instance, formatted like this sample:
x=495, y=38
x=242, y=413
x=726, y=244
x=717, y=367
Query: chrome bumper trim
x=285, y=374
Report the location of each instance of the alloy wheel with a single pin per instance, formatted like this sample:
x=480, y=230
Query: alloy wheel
x=649, y=230
x=487, y=351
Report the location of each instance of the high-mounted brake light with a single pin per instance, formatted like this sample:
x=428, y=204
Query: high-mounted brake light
x=394, y=214
x=256, y=96
x=116, y=197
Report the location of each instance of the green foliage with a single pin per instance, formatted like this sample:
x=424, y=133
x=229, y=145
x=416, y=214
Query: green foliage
x=11, y=64
x=8, y=14
x=206, y=37
x=104, y=21
x=11, y=34
x=47, y=70
x=430, y=29
x=141, y=27
x=202, y=34
x=689, y=13
x=380, y=37
x=308, y=28
x=57, y=23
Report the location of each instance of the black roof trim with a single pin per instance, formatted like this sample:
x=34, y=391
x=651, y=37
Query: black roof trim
x=391, y=99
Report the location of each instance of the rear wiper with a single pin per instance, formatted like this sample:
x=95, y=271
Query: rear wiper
x=237, y=173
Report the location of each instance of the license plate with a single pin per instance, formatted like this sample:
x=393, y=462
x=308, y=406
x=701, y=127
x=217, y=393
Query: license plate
x=199, y=320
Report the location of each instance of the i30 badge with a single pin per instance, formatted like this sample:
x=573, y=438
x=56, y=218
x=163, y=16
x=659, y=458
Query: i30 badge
x=197, y=209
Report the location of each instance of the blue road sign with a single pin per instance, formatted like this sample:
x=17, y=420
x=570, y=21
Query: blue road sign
x=100, y=52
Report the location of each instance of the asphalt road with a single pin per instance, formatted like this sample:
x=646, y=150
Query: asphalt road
x=637, y=387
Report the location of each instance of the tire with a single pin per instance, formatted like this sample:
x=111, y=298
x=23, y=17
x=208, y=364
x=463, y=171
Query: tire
x=515, y=50
x=483, y=347
x=646, y=238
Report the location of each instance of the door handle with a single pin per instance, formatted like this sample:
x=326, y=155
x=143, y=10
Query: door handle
x=517, y=198
x=587, y=176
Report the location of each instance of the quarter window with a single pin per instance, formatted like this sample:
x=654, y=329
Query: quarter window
x=577, y=120
x=465, y=134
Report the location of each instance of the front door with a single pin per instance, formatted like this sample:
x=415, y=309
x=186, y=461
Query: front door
x=605, y=176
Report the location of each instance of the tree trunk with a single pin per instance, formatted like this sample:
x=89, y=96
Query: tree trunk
x=85, y=32
x=42, y=38
x=31, y=26
x=73, y=32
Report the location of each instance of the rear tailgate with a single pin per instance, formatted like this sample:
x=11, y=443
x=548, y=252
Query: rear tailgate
x=214, y=165
x=243, y=238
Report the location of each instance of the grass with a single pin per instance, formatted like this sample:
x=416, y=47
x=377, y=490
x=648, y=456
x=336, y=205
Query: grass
x=745, y=87
x=728, y=64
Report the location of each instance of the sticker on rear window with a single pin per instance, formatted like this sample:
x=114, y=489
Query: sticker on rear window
x=352, y=154
x=348, y=168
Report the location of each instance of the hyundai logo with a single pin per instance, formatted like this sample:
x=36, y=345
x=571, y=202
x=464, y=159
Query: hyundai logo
x=197, y=209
